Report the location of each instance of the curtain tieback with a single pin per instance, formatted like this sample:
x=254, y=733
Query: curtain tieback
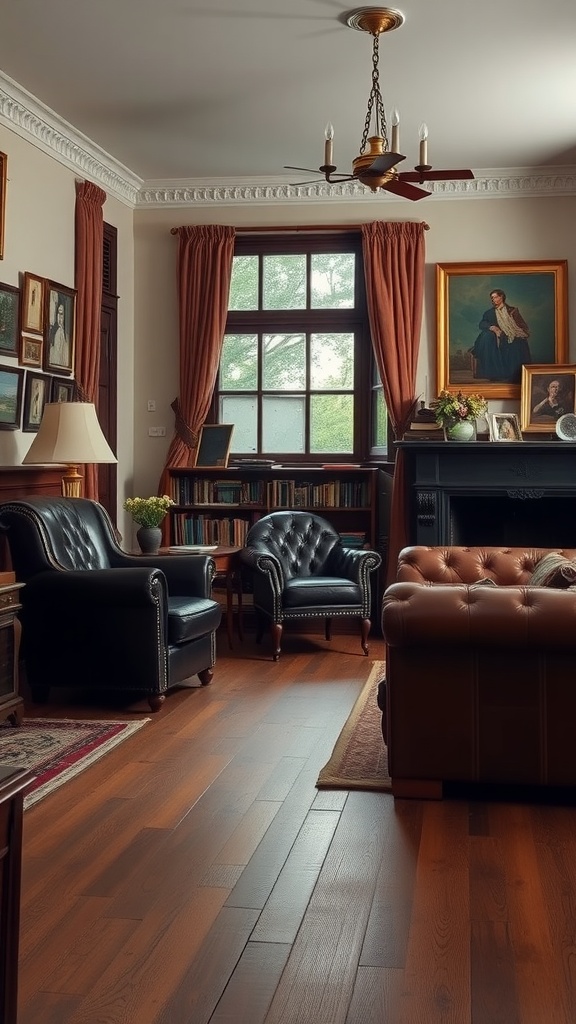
x=185, y=433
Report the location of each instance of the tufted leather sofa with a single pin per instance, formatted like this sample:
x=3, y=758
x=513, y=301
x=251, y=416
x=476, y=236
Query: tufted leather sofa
x=97, y=618
x=480, y=680
x=301, y=570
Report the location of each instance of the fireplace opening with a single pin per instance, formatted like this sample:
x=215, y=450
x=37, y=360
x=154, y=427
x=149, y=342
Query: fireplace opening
x=546, y=522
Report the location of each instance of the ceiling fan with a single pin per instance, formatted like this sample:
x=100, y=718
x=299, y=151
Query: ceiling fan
x=376, y=166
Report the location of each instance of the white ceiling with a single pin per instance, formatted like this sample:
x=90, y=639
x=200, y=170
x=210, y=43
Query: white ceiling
x=214, y=89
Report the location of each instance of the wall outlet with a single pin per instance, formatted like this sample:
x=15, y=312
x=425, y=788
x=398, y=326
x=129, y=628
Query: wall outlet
x=151, y=405
x=156, y=431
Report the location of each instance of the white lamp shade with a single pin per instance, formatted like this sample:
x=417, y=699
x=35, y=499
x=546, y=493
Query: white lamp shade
x=69, y=432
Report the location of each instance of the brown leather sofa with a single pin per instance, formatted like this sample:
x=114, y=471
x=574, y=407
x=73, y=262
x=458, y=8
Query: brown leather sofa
x=480, y=679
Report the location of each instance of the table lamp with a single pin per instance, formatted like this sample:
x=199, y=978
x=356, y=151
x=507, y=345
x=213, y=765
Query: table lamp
x=69, y=432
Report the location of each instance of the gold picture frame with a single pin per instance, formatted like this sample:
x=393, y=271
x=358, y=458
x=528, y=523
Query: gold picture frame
x=32, y=312
x=472, y=353
x=548, y=392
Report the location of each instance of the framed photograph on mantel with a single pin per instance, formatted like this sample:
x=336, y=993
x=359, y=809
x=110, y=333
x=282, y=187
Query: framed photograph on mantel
x=548, y=392
x=495, y=318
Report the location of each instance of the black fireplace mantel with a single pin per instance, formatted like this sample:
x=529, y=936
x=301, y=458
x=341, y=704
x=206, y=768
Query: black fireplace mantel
x=491, y=492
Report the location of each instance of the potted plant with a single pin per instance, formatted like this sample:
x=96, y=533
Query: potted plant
x=458, y=414
x=149, y=513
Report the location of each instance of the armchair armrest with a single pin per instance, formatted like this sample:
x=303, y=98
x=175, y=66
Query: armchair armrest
x=264, y=565
x=99, y=588
x=352, y=563
x=187, y=575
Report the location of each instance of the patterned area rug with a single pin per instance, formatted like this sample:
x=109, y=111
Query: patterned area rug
x=360, y=759
x=59, y=749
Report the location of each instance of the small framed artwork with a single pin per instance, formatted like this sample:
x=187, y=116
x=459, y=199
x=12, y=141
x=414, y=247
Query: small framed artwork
x=11, y=381
x=495, y=318
x=36, y=394
x=505, y=426
x=62, y=390
x=59, y=327
x=31, y=346
x=214, y=445
x=32, y=313
x=3, y=180
x=9, y=319
x=548, y=392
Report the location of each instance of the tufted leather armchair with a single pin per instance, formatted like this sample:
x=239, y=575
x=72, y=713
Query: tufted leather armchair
x=96, y=617
x=480, y=680
x=301, y=570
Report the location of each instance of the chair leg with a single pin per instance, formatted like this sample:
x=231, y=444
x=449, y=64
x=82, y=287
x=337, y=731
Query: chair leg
x=206, y=676
x=276, y=638
x=328, y=628
x=156, y=700
x=365, y=628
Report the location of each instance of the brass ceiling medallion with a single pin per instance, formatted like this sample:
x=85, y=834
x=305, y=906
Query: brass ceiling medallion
x=376, y=166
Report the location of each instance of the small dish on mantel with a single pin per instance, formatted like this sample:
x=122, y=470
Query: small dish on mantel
x=566, y=427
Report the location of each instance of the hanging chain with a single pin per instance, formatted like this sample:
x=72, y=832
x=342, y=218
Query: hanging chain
x=375, y=97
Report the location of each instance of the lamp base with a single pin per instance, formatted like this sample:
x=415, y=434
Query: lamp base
x=72, y=483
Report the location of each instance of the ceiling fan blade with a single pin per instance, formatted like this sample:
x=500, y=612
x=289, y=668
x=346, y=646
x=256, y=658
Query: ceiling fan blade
x=385, y=161
x=462, y=175
x=403, y=188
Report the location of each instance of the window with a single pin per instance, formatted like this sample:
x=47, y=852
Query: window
x=296, y=367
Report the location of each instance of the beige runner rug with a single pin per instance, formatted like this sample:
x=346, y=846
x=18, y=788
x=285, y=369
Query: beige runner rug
x=360, y=759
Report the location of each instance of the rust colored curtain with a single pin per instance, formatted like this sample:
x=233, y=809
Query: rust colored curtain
x=204, y=270
x=394, y=258
x=89, y=236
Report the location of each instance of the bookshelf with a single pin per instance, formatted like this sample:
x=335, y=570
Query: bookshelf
x=218, y=506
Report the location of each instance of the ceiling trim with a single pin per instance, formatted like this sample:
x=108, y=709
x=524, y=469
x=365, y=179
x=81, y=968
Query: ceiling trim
x=31, y=119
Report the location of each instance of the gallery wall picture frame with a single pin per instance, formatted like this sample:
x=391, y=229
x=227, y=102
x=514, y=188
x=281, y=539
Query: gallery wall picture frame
x=36, y=394
x=483, y=340
x=548, y=392
x=11, y=383
x=9, y=319
x=213, y=447
x=30, y=351
x=62, y=390
x=59, y=328
x=505, y=426
x=32, y=311
x=3, y=183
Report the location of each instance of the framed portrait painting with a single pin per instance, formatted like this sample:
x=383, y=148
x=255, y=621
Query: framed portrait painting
x=32, y=314
x=548, y=392
x=59, y=328
x=495, y=318
x=62, y=390
x=36, y=394
x=11, y=381
x=9, y=319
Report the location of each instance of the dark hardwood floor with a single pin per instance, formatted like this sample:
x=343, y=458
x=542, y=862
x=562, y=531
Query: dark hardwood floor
x=196, y=875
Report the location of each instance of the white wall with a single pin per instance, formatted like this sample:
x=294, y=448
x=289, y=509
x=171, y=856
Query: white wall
x=39, y=238
x=461, y=230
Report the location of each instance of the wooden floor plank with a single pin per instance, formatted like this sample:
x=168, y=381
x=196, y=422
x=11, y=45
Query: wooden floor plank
x=252, y=984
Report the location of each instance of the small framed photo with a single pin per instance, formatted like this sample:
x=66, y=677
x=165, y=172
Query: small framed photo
x=3, y=180
x=548, y=392
x=9, y=319
x=32, y=312
x=31, y=346
x=59, y=328
x=11, y=381
x=36, y=394
x=505, y=426
x=62, y=390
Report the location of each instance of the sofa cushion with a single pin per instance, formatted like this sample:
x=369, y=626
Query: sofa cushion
x=554, y=570
x=191, y=617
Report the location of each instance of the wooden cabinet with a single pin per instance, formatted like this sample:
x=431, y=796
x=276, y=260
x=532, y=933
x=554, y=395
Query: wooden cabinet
x=218, y=506
x=13, y=782
x=11, y=704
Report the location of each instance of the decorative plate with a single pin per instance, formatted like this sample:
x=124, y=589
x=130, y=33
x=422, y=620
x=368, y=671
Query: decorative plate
x=566, y=427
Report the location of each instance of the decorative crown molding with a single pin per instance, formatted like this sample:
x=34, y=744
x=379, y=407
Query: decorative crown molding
x=29, y=118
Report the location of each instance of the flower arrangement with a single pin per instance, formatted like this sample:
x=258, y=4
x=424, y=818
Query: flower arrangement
x=449, y=408
x=148, y=511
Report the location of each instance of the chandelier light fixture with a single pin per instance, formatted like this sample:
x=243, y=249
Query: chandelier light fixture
x=375, y=167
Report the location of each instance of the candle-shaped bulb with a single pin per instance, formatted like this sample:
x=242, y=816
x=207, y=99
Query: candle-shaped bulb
x=328, y=145
x=423, y=136
x=395, y=140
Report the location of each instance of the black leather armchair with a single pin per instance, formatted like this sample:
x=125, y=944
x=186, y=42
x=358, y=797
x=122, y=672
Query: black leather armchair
x=94, y=616
x=301, y=570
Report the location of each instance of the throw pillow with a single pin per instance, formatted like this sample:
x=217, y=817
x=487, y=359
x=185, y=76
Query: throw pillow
x=554, y=570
